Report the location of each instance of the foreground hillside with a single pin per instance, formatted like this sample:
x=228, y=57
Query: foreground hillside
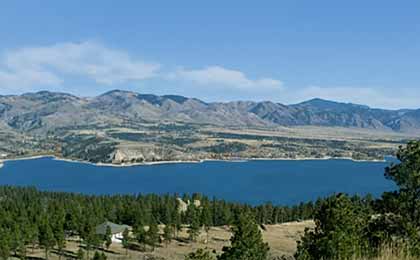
x=281, y=238
x=127, y=127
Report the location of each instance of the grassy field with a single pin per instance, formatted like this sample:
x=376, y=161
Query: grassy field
x=281, y=239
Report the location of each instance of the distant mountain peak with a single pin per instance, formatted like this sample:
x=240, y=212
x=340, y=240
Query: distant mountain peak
x=48, y=95
x=328, y=104
x=32, y=109
x=118, y=92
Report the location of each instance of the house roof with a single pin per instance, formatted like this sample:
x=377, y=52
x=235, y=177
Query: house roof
x=115, y=228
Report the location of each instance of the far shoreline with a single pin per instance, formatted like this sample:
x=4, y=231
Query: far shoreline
x=237, y=160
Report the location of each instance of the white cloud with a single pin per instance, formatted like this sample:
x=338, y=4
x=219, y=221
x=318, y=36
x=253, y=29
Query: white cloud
x=50, y=65
x=53, y=67
x=218, y=76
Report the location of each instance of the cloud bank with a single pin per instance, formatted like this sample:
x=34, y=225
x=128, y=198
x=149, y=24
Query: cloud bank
x=52, y=65
x=217, y=75
x=30, y=67
x=100, y=67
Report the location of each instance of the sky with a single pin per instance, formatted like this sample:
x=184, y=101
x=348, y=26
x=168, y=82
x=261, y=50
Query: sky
x=287, y=51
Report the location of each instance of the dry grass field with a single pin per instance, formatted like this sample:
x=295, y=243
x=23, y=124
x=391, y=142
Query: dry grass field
x=281, y=239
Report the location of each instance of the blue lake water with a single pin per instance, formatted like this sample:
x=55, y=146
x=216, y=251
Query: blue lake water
x=283, y=182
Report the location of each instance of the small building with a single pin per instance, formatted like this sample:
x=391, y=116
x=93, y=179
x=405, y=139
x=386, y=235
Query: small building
x=116, y=230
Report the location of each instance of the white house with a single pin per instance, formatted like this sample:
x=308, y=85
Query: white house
x=116, y=230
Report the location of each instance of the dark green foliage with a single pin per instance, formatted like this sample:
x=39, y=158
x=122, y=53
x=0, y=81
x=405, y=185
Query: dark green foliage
x=193, y=217
x=29, y=217
x=406, y=202
x=168, y=233
x=80, y=254
x=233, y=147
x=348, y=228
x=381, y=229
x=4, y=244
x=194, y=230
x=99, y=256
x=407, y=176
x=200, y=254
x=140, y=235
x=126, y=239
x=246, y=242
x=152, y=235
x=46, y=237
x=108, y=235
x=338, y=232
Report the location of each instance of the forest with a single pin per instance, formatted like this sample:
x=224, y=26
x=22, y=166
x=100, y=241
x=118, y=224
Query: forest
x=32, y=218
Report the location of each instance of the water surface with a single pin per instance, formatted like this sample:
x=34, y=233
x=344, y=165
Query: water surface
x=277, y=181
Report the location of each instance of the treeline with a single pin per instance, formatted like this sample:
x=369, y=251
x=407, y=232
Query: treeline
x=346, y=229
x=29, y=217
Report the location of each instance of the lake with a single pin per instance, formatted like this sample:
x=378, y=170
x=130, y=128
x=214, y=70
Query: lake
x=283, y=182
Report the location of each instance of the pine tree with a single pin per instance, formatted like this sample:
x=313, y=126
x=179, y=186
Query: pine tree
x=338, y=233
x=99, y=256
x=206, y=219
x=194, y=230
x=176, y=218
x=246, y=242
x=108, y=239
x=46, y=237
x=32, y=235
x=126, y=240
x=167, y=234
x=200, y=254
x=407, y=177
x=4, y=244
x=60, y=239
x=140, y=236
x=193, y=217
x=17, y=240
x=152, y=235
x=80, y=254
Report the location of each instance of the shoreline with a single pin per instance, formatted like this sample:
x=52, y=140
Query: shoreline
x=238, y=160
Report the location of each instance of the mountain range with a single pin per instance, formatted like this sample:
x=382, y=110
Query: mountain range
x=42, y=111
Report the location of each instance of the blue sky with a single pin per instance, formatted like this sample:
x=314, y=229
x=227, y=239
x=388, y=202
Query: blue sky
x=285, y=51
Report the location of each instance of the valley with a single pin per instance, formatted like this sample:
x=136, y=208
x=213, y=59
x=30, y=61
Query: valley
x=121, y=127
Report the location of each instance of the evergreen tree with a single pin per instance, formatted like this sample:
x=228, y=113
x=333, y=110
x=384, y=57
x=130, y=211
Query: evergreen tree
x=32, y=235
x=108, y=236
x=60, y=239
x=46, y=237
x=167, y=234
x=200, y=254
x=194, y=230
x=80, y=254
x=17, y=240
x=406, y=175
x=126, y=240
x=246, y=242
x=140, y=236
x=176, y=218
x=90, y=238
x=206, y=219
x=338, y=233
x=152, y=235
x=4, y=244
x=193, y=217
x=99, y=256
